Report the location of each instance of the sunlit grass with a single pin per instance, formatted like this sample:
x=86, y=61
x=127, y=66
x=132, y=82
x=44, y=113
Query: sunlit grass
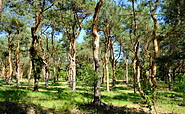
x=59, y=97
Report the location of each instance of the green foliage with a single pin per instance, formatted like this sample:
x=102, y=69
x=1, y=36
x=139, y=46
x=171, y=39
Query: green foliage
x=86, y=76
x=180, y=83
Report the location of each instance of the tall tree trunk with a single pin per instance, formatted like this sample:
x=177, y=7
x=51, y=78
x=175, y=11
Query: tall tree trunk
x=103, y=71
x=107, y=70
x=97, y=91
x=136, y=62
x=18, y=69
x=1, y=8
x=126, y=75
x=45, y=59
x=169, y=78
x=30, y=71
x=107, y=47
x=9, y=76
x=156, y=47
x=113, y=64
x=4, y=70
x=72, y=65
x=72, y=50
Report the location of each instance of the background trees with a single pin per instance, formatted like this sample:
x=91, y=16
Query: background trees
x=137, y=42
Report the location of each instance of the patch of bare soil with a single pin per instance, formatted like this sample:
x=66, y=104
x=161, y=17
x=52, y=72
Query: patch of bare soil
x=19, y=108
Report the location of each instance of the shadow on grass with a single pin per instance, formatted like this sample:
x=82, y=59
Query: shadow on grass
x=109, y=109
x=13, y=95
x=7, y=107
x=120, y=88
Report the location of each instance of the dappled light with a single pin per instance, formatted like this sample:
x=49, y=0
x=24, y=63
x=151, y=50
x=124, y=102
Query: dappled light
x=92, y=57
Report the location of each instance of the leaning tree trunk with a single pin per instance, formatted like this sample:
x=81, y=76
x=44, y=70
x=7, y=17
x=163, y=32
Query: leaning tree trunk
x=97, y=91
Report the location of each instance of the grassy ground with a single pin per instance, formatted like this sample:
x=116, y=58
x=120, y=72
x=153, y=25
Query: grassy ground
x=58, y=98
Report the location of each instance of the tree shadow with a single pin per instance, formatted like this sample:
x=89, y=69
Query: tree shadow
x=7, y=107
x=109, y=109
x=121, y=88
x=13, y=95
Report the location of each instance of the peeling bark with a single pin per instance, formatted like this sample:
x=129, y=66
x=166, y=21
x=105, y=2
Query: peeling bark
x=97, y=91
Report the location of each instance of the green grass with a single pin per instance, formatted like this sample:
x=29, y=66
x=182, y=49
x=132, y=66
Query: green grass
x=59, y=98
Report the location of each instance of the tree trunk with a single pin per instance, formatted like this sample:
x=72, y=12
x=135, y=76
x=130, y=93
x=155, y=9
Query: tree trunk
x=72, y=64
x=156, y=47
x=97, y=90
x=107, y=70
x=4, y=70
x=113, y=64
x=9, y=76
x=46, y=61
x=135, y=73
x=30, y=71
x=18, y=69
x=103, y=71
x=126, y=75
x=169, y=78
x=107, y=47
x=1, y=9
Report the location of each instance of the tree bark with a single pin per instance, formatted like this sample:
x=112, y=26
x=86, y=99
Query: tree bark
x=30, y=71
x=72, y=65
x=107, y=70
x=126, y=75
x=4, y=70
x=136, y=62
x=9, y=76
x=18, y=69
x=97, y=91
x=113, y=64
x=155, y=47
x=169, y=78
x=107, y=47
x=1, y=8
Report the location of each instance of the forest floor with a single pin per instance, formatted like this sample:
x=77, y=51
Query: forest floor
x=59, y=99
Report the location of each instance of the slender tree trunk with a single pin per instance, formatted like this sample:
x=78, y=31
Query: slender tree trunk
x=30, y=71
x=103, y=71
x=4, y=70
x=97, y=90
x=107, y=70
x=45, y=59
x=126, y=75
x=9, y=76
x=107, y=47
x=1, y=8
x=136, y=62
x=169, y=78
x=72, y=66
x=113, y=64
x=18, y=69
x=156, y=47
x=135, y=73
